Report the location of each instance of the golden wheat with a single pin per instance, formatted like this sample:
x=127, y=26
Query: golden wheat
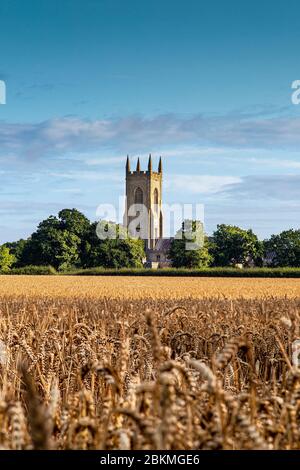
x=93, y=373
x=138, y=287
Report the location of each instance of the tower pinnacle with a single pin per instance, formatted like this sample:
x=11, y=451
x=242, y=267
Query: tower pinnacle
x=150, y=163
x=127, y=165
x=138, y=165
x=160, y=166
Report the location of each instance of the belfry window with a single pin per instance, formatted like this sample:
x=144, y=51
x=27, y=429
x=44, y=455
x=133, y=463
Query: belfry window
x=138, y=196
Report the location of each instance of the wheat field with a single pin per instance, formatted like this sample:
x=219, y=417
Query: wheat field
x=135, y=287
x=84, y=365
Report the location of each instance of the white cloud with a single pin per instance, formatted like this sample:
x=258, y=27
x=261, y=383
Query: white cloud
x=265, y=189
x=135, y=133
x=87, y=176
x=275, y=163
x=200, y=184
x=97, y=159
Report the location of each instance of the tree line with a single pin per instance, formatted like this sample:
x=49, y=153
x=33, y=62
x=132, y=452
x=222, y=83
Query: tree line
x=69, y=240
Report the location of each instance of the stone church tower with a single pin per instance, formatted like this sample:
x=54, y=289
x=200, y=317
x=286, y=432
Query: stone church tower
x=143, y=211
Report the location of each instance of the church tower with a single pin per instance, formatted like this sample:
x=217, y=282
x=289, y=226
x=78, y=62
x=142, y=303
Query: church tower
x=143, y=211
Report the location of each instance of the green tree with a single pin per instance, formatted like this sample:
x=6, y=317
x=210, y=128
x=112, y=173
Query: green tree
x=189, y=248
x=284, y=248
x=73, y=221
x=120, y=251
x=57, y=241
x=7, y=259
x=17, y=248
x=231, y=245
x=71, y=240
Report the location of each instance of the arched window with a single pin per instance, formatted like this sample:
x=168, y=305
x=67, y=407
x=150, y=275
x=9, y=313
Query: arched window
x=155, y=196
x=138, y=196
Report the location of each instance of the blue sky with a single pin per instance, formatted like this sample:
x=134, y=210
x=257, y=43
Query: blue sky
x=207, y=85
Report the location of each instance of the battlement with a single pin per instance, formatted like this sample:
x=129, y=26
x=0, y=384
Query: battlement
x=141, y=172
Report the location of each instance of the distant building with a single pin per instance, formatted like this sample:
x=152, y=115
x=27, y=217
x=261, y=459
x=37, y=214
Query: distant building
x=143, y=212
x=159, y=256
x=269, y=258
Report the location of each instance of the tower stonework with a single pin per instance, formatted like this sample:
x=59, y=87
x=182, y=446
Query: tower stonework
x=144, y=191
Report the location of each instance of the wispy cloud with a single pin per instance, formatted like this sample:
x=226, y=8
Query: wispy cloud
x=200, y=184
x=95, y=158
x=134, y=133
x=225, y=161
x=275, y=163
x=265, y=188
x=75, y=175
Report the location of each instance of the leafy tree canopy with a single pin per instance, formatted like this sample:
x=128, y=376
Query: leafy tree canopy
x=7, y=259
x=73, y=221
x=116, y=252
x=71, y=240
x=16, y=249
x=284, y=248
x=57, y=241
x=189, y=248
x=231, y=245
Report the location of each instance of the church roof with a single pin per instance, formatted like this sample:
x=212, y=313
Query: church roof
x=163, y=244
